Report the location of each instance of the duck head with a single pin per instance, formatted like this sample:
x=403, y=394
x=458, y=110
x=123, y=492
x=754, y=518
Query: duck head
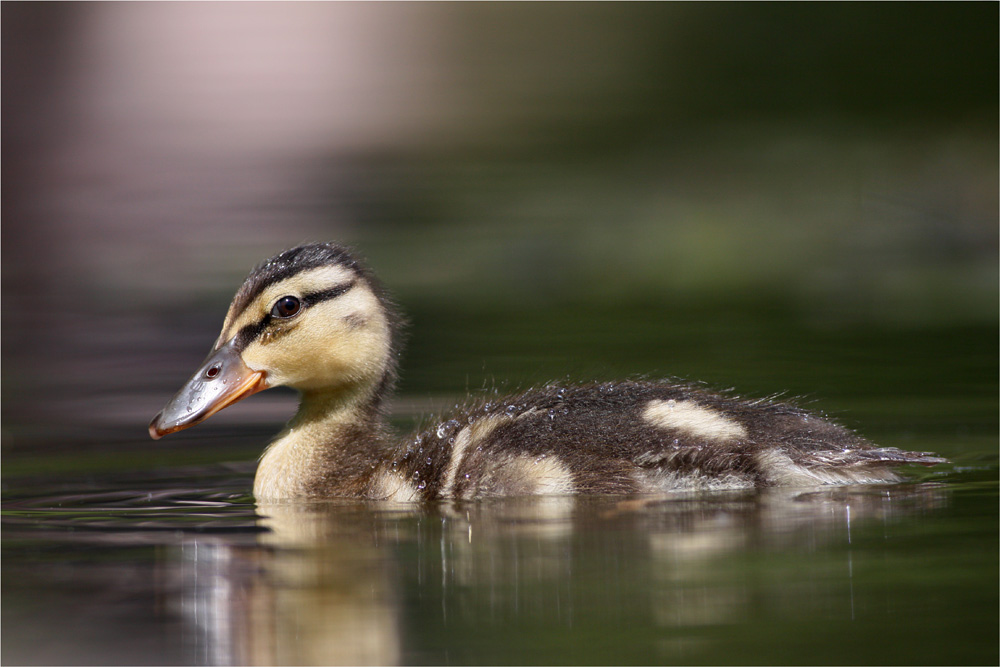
x=312, y=318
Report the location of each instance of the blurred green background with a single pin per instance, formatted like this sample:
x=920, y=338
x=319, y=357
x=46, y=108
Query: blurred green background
x=796, y=197
x=793, y=197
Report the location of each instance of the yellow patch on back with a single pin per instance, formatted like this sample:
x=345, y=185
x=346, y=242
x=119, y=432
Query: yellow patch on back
x=520, y=475
x=693, y=419
x=473, y=433
x=549, y=475
x=781, y=470
x=390, y=485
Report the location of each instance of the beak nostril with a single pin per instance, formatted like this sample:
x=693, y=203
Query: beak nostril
x=212, y=372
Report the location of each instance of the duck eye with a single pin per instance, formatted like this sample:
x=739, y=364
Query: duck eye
x=286, y=307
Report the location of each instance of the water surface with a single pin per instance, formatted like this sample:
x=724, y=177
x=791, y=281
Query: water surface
x=118, y=550
x=180, y=566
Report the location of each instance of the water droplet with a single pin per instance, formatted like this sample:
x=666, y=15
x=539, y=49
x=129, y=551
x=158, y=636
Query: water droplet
x=428, y=460
x=446, y=428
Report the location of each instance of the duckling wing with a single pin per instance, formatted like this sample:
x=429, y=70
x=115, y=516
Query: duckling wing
x=637, y=437
x=796, y=447
x=876, y=456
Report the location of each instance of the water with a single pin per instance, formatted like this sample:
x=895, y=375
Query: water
x=119, y=550
x=124, y=551
x=880, y=574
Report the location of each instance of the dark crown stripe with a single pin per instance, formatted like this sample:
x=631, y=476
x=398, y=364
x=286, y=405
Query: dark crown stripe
x=251, y=332
x=287, y=264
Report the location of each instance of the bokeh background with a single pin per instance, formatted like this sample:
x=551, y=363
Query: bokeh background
x=795, y=197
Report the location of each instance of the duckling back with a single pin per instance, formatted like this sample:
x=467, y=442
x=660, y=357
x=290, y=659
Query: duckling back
x=629, y=437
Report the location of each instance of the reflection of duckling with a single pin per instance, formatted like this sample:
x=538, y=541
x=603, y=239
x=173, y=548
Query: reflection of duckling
x=315, y=319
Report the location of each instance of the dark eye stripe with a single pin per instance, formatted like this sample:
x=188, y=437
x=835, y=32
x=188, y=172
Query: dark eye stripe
x=332, y=293
x=288, y=264
x=251, y=332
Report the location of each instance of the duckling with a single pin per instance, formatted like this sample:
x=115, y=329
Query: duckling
x=316, y=319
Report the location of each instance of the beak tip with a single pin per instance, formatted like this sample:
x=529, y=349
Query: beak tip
x=154, y=431
x=222, y=380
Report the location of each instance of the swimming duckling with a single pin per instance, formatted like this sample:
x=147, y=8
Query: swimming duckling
x=314, y=318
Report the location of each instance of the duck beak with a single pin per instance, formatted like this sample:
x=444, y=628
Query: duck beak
x=222, y=380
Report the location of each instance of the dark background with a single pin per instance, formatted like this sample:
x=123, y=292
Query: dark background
x=766, y=196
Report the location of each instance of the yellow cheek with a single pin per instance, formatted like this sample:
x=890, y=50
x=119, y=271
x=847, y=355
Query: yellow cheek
x=317, y=355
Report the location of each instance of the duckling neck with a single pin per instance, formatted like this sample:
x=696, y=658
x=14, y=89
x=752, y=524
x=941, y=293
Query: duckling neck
x=329, y=448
